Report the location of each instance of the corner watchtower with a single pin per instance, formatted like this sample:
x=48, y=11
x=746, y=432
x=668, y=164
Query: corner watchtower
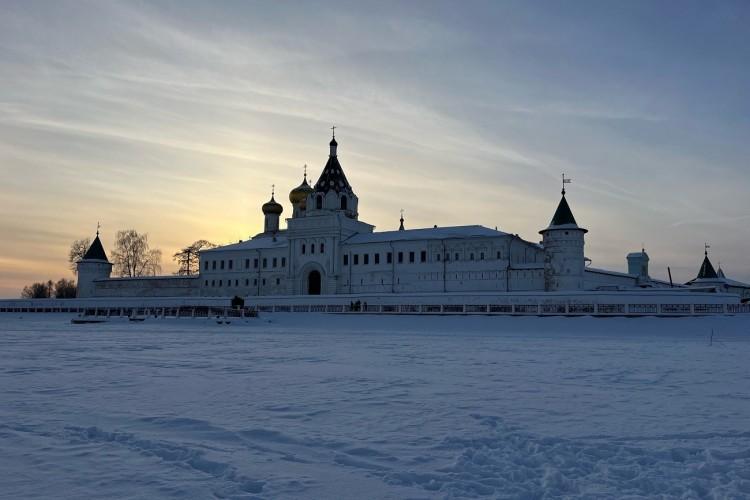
x=93, y=266
x=563, y=242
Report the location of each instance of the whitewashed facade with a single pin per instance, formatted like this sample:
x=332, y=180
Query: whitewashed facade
x=326, y=250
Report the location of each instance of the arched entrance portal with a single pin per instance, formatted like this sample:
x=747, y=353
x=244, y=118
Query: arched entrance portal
x=313, y=283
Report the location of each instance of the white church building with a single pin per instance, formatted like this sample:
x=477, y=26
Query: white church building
x=327, y=250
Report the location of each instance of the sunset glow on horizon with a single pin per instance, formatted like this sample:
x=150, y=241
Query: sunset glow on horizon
x=176, y=118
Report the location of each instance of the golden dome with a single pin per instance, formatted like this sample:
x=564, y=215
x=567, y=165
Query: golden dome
x=299, y=194
x=271, y=207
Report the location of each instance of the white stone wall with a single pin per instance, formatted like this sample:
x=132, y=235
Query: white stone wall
x=244, y=273
x=160, y=286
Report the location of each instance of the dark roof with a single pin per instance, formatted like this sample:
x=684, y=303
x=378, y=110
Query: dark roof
x=563, y=215
x=95, y=251
x=332, y=178
x=707, y=270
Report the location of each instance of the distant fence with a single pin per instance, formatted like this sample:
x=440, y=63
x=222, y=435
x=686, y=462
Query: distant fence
x=546, y=309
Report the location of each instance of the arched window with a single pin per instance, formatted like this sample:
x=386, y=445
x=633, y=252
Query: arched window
x=312, y=248
x=303, y=249
x=319, y=202
x=343, y=202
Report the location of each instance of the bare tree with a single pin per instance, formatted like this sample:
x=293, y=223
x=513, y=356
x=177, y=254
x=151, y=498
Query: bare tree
x=65, y=289
x=132, y=256
x=35, y=291
x=187, y=258
x=77, y=250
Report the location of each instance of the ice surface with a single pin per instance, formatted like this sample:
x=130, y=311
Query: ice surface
x=326, y=406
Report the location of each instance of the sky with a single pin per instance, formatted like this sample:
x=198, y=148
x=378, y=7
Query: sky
x=175, y=118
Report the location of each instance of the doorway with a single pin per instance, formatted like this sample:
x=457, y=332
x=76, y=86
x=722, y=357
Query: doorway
x=313, y=283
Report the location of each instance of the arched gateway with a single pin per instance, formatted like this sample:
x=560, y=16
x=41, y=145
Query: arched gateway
x=313, y=283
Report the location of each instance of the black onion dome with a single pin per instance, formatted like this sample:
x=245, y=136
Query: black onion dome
x=332, y=178
x=271, y=207
x=95, y=251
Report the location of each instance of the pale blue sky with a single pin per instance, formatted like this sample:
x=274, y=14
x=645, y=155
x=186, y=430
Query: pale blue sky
x=176, y=117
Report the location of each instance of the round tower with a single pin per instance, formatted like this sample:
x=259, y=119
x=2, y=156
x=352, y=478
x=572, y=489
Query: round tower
x=93, y=266
x=563, y=242
x=271, y=210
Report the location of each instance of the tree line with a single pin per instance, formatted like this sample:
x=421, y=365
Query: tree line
x=131, y=257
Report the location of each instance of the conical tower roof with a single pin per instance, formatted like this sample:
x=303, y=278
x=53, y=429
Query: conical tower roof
x=707, y=270
x=332, y=178
x=95, y=251
x=563, y=214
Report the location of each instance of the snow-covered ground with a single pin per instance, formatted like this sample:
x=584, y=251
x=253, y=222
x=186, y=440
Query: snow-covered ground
x=320, y=406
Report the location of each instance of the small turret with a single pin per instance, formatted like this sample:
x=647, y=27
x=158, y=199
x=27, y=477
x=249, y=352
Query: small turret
x=563, y=242
x=93, y=266
x=271, y=210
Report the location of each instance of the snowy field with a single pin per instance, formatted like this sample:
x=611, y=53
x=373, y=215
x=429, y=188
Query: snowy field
x=316, y=406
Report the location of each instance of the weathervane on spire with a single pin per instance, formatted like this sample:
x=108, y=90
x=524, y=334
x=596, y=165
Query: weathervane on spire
x=401, y=220
x=565, y=181
x=333, y=131
x=305, y=172
x=273, y=190
x=706, y=246
x=97, y=228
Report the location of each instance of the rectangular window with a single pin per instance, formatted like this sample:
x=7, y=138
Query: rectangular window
x=322, y=248
x=366, y=259
x=205, y=266
x=231, y=264
x=255, y=263
x=220, y=282
x=264, y=281
x=222, y=264
x=255, y=282
x=389, y=258
x=471, y=256
x=437, y=257
x=447, y=257
x=247, y=263
x=423, y=256
x=247, y=282
x=312, y=248
x=275, y=262
x=411, y=257
x=400, y=257
x=498, y=254
x=278, y=281
x=481, y=256
x=377, y=258
x=236, y=282
x=213, y=265
x=356, y=259
x=265, y=262
x=346, y=259
x=283, y=262
x=206, y=283
x=456, y=256
x=213, y=282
